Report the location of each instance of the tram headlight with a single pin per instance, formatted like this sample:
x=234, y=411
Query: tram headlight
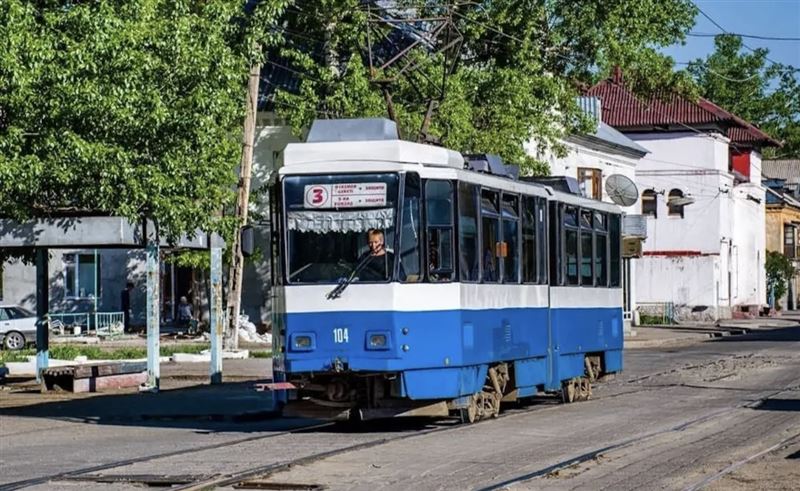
x=302, y=342
x=378, y=341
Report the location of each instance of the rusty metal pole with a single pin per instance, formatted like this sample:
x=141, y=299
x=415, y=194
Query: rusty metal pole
x=217, y=316
x=242, y=203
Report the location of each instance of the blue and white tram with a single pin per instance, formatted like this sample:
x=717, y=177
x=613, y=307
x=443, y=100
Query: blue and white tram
x=487, y=289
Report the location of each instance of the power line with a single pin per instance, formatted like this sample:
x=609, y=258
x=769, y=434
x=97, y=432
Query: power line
x=726, y=32
x=749, y=36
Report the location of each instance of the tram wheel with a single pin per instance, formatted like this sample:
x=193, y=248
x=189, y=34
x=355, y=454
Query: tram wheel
x=568, y=391
x=469, y=414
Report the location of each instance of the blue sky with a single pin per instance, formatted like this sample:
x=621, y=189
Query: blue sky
x=774, y=18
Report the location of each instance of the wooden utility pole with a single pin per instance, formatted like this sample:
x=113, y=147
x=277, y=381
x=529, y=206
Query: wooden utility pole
x=231, y=340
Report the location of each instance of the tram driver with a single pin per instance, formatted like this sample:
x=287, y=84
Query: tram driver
x=378, y=266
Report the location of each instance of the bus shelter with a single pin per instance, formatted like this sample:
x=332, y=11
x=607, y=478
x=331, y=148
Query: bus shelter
x=89, y=232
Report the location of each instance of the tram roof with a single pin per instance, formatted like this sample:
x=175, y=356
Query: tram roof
x=394, y=151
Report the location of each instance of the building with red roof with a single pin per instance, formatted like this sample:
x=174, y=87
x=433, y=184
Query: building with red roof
x=700, y=189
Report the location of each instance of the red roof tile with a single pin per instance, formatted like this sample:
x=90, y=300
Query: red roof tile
x=622, y=109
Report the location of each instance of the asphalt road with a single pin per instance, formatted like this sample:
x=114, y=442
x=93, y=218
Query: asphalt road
x=722, y=414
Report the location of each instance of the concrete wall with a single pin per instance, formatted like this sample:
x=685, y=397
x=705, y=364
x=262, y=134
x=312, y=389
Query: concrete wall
x=690, y=283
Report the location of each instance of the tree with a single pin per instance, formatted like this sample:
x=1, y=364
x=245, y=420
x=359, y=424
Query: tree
x=519, y=69
x=779, y=272
x=749, y=85
x=125, y=107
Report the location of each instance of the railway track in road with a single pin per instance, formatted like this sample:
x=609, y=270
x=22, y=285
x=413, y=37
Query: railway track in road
x=310, y=444
x=594, y=454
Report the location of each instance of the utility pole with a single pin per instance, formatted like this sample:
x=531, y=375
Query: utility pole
x=231, y=340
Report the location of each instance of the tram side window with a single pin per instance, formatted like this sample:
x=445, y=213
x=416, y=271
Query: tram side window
x=601, y=250
x=587, y=275
x=529, y=257
x=556, y=244
x=615, y=249
x=509, y=247
x=541, y=239
x=571, y=244
x=410, y=231
x=469, y=257
x=490, y=238
x=439, y=215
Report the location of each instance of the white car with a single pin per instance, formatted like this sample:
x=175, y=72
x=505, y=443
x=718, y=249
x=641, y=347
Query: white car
x=17, y=326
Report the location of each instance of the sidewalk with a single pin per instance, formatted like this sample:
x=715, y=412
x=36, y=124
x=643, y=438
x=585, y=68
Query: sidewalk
x=682, y=334
x=185, y=395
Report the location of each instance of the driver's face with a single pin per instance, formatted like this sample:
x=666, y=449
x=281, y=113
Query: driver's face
x=375, y=243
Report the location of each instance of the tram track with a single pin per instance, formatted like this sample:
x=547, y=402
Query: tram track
x=147, y=458
x=595, y=453
x=217, y=480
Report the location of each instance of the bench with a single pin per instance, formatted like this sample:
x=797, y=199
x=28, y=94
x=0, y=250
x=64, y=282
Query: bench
x=95, y=377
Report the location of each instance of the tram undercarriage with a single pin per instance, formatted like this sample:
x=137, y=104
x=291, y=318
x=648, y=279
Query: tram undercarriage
x=368, y=396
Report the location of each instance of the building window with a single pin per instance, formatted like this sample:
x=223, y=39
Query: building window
x=591, y=181
x=649, y=203
x=675, y=207
x=789, y=241
x=82, y=275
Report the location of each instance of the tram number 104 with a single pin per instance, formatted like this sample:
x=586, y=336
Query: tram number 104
x=340, y=335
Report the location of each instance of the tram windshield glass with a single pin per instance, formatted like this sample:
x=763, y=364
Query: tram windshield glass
x=341, y=227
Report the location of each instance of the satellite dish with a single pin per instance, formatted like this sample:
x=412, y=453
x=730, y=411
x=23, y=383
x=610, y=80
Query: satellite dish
x=621, y=190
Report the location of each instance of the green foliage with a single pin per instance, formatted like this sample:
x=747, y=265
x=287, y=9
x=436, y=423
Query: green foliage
x=751, y=87
x=520, y=67
x=125, y=107
x=779, y=271
x=71, y=351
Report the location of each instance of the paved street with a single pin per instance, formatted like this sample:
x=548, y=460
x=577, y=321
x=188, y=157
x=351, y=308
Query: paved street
x=723, y=413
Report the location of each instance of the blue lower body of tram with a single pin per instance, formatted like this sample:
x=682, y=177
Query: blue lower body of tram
x=442, y=355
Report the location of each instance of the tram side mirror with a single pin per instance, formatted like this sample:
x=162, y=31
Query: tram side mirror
x=247, y=240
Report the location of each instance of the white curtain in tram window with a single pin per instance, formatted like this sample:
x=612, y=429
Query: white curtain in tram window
x=340, y=221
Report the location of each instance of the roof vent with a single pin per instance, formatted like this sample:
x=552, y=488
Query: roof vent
x=342, y=130
x=491, y=164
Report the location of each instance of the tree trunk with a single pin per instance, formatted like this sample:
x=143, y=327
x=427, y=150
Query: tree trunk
x=231, y=340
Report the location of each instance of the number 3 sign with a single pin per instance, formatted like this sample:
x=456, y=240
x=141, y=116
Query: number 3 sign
x=317, y=196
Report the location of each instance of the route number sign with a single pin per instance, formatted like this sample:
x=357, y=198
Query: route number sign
x=345, y=195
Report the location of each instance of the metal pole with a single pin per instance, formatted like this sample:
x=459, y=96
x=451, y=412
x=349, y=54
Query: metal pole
x=217, y=321
x=42, y=312
x=153, y=318
x=96, y=291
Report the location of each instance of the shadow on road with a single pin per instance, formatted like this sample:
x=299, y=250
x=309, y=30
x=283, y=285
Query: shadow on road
x=772, y=335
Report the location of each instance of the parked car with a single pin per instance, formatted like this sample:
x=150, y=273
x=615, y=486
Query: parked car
x=17, y=326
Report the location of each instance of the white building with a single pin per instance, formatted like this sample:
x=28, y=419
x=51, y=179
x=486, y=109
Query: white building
x=591, y=159
x=701, y=191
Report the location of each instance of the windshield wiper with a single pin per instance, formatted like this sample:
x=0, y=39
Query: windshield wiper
x=337, y=292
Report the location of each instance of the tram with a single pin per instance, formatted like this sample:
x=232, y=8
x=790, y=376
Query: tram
x=409, y=279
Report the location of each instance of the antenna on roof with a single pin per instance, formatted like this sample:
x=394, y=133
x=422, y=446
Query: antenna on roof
x=621, y=190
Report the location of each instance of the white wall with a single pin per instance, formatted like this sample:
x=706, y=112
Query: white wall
x=608, y=163
x=722, y=234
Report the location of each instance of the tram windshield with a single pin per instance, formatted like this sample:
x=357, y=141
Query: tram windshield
x=340, y=227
